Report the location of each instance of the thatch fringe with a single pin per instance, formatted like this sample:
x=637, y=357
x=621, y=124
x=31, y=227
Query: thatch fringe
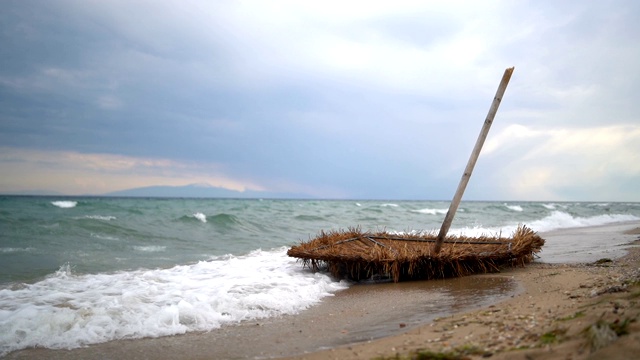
x=361, y=255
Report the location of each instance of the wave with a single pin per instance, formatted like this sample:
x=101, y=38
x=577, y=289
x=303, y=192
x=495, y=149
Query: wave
x=222, y=222
x=561, y=220
x=517, y=208
x=68, y=311
x=104, y=237
x=431, y=211
x=389, y=205
x=555, y=206
x=150, y=248
x=309, y=218
x=197, y=216
x=64, y=204
x=225, y=220
x=200, y=216
x=556, y=220
x=9, y=250
x=98, y=217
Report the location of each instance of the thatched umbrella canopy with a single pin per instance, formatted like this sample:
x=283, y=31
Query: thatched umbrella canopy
x=358, y=255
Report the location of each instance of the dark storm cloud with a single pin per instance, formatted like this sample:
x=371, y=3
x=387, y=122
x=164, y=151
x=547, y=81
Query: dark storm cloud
x=365, y=99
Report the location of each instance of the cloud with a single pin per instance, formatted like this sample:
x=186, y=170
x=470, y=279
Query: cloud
x=109, y=102
x=358, y=99
x=86, y=173
x=541, y=164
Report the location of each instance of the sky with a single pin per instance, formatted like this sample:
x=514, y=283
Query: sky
x=330, y=99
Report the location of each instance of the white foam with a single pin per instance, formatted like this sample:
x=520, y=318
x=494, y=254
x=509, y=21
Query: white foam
x=556, y=220
x=64, y=204
x=68, y=310
x=15, y=250
x=200, y=216
x=99, y=217
x=560, y=220
x=517, y=208
x=150, y=248
x=431, y=211
x=389, y=205
x=104, y=237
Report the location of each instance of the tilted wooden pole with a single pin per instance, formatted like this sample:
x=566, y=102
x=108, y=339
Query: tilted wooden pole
x=472, y=160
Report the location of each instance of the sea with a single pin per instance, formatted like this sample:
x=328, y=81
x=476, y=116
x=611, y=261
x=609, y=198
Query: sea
x=76, y=271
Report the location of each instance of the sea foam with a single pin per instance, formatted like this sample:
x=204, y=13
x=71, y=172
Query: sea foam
x=517, y=208
x=150, y=248
x=556, y=220
x=15, y=250
x=98, y=217
x=64, y=204
x=431, y=211
x=68, y=310
x=560, y=220
x=200, y=216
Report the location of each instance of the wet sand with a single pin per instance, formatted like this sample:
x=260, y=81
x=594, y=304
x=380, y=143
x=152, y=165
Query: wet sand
x=492, y=314
x=360, y=313
x=552, y=318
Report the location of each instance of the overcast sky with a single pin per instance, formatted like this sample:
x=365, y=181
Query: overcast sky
x=334, y=99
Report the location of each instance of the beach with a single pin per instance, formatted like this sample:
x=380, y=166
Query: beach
x=539, y=311
x=550, y=319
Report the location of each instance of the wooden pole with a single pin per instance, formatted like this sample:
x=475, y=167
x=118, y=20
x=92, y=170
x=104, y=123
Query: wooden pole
x=472, y=159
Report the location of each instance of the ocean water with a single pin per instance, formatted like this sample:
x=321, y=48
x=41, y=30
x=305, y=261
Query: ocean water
x=85, y=270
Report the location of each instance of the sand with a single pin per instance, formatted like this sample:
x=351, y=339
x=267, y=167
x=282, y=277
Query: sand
x=540, y=311
x=548, y=320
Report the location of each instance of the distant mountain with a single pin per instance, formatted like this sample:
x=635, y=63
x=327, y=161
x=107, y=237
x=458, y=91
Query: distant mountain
x=201, y=191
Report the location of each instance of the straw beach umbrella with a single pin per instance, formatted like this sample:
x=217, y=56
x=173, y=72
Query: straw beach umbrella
x=358, y=254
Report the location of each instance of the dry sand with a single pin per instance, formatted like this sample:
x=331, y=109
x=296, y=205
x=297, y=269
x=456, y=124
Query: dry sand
x=506, y=317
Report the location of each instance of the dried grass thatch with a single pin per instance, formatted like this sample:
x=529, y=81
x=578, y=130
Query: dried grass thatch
x=361, y=255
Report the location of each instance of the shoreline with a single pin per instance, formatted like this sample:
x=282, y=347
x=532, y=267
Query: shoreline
x=511, y=309
x=550, y=319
